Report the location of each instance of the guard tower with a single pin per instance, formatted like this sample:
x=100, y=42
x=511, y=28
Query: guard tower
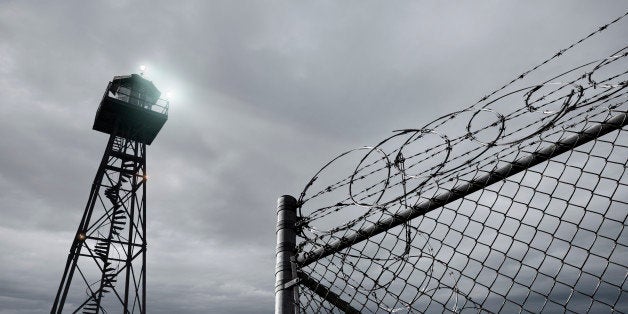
x=106, y=268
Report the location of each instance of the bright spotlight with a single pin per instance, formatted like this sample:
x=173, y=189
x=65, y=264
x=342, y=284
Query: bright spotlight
x=142, y=69
x=169, y=95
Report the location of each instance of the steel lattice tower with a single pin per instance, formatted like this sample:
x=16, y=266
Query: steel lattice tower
x=106, y=267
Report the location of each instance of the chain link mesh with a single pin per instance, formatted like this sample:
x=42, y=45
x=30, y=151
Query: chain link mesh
x=517, y=203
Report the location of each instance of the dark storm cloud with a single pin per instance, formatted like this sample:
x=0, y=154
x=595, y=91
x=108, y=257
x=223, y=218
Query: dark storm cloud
x=265, y=93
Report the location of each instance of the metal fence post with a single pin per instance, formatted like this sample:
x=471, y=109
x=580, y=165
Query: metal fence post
x=286, y=249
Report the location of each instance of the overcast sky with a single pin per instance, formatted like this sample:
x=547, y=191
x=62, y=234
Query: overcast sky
x=264, y=93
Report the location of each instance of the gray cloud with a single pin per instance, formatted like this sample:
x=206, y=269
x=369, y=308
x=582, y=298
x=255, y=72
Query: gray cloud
x=265, y=93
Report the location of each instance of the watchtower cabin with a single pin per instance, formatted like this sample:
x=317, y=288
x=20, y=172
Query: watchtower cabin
x=131, y=108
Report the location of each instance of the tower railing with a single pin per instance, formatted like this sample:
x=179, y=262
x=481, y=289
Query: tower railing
x=160, y=105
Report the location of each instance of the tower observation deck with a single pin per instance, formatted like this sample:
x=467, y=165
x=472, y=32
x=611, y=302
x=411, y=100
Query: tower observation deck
x=105, y=271
x=132, y=104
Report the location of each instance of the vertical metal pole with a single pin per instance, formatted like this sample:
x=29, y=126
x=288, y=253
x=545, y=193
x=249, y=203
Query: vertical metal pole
x=144, y=232
x=286, y=249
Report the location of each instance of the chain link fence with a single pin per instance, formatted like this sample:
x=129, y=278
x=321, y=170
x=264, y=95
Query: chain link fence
x=517, y=203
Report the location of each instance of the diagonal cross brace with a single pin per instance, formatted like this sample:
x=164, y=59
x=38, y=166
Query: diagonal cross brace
x=325, y=293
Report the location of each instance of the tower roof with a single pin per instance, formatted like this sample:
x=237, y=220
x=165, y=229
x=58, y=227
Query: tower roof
x=137, y=83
